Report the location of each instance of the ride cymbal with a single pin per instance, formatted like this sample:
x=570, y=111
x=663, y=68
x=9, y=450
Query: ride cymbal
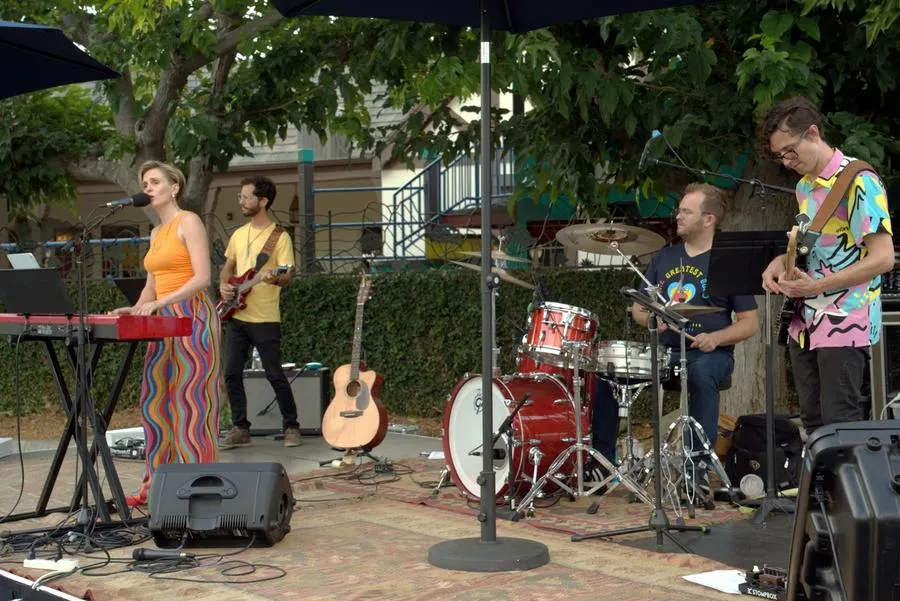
x=604, y=238
x=504, y=275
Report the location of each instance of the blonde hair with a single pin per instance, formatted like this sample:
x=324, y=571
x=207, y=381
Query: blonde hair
x=715, y=199
x=172, y=173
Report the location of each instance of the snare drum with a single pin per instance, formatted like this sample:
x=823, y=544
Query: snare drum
x=552, y=324
x=624, y=360
x=542, y=429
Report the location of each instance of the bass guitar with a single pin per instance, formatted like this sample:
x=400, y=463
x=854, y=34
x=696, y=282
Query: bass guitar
x=243, y=284
x=790, y=305
x=355, y=418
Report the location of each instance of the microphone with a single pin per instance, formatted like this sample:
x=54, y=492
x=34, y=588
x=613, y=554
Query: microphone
x=656, y=133
x=139, y=200
x=143, y=554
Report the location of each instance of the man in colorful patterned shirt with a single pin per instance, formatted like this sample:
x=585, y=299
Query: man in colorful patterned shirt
x=840, y=316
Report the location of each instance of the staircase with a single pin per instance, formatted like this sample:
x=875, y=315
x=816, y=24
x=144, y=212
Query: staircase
x=444, y=199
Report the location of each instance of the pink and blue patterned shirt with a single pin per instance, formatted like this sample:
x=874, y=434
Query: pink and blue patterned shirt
x=849, y=317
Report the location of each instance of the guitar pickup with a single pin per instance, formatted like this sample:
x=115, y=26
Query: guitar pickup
x=351, y=413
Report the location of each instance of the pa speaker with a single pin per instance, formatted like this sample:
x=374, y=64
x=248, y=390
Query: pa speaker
x=847, y=523
x=220, y=504
x=311, y=390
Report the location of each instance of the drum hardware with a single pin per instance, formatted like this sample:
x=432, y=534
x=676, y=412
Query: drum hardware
x=575, y=351
x=658, y=522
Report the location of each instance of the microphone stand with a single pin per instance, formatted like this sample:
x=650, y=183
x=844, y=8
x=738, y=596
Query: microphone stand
x=82, y=405
x=760, y=188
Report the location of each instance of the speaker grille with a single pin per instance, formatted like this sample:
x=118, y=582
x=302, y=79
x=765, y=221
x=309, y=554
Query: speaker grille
x=232, y=522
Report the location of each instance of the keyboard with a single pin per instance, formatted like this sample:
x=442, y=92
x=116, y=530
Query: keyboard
x=99, y=328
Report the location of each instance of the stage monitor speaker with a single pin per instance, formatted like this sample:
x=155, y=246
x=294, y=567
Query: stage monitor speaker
x=311, y=390
x=220, y=504
x=847, y=524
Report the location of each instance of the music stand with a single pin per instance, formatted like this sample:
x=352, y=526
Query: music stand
x=736, y=263
x=131, y=288
x=17, y=291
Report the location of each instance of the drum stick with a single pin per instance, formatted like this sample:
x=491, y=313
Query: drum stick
x=674, y=329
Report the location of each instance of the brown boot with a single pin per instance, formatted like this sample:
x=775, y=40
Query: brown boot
x=292, y=437
x=238, y=437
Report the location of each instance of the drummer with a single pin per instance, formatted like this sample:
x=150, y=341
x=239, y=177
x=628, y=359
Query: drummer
x=680, y=272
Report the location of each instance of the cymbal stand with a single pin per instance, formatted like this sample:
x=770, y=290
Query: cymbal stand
x=578, y=447
x=626, y=395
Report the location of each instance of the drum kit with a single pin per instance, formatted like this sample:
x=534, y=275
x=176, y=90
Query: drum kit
x=542, y=412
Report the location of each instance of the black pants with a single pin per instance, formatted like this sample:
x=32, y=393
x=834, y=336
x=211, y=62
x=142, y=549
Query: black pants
x=240, y=337
x=829, y=384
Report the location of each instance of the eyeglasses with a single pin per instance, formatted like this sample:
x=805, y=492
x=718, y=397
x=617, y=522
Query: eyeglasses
x=791, y=153
x=241, y=197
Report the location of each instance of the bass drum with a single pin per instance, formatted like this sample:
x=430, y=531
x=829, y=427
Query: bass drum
x=542, y=429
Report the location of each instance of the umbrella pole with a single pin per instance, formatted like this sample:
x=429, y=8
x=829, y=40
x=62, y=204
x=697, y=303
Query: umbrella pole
x=488, y=553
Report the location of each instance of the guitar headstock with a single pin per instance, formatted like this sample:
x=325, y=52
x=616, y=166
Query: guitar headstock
x=365, y=290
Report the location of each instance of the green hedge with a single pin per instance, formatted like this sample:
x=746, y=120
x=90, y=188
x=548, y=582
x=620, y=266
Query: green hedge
x=422, y=332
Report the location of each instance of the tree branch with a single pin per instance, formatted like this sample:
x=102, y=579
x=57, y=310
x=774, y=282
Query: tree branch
x=228, y=41
x=124, y=117
x=117, y=172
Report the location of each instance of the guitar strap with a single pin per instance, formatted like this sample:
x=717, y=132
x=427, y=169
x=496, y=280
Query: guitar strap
x=268, y=247
x=837, y=192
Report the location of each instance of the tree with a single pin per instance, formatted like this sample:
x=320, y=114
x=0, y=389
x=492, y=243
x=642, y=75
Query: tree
x=202, y=81
x=701, y=75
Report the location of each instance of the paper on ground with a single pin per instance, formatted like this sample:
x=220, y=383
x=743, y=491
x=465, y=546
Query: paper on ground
x=726, y=581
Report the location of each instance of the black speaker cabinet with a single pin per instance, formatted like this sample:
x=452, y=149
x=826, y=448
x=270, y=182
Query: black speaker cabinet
x=220, y=504
x=854, y=468
x=311, y=389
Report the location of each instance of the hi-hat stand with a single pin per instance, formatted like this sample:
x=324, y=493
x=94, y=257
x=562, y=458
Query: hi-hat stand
x=659, y=522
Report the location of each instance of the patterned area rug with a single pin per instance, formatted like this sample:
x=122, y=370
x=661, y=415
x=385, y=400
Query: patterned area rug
x=357, y=536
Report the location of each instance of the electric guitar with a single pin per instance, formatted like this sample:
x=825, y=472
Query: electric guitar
x=355, y=418
x=789, y=306
x=243, y=284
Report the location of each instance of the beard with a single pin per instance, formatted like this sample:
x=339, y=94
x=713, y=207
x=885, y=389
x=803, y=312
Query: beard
x=248, y=212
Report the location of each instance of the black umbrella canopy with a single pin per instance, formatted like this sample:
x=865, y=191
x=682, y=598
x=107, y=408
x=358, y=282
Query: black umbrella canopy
x=37, y=57
x=506, y=15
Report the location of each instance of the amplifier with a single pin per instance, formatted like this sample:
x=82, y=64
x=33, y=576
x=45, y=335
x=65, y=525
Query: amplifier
x=312, y=392
x=890, y=285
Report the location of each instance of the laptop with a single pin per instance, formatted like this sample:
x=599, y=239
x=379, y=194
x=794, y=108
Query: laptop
x=34, y=292
x=23, y=261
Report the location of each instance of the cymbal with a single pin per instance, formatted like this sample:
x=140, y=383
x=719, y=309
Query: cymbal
x=686, y=310
x=497, y=255
x=504, y=275
x=599, y=237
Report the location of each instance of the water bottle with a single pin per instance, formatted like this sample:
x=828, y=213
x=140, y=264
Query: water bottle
x=255, y=362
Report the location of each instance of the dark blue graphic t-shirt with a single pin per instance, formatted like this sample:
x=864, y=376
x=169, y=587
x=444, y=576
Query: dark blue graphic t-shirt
x=682, y=279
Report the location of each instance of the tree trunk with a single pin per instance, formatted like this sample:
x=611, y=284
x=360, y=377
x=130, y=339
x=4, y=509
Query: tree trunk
x=751, y=212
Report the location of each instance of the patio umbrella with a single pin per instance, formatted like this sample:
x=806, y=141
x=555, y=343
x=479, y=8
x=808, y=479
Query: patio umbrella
x=36, y=57
x=487, y=554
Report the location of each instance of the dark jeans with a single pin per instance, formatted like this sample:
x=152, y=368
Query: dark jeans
x=240, y=337
x=829, y=384
x=706, y=372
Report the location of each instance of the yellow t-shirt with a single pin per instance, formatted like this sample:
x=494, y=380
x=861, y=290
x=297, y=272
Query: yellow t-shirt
x=244, y=246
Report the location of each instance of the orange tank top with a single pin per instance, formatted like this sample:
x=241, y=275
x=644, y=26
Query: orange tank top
x=168, y=259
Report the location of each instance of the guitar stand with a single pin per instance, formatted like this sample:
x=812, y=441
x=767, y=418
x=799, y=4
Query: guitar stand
x=349, y=458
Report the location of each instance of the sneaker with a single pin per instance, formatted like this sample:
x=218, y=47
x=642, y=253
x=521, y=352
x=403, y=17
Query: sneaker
x=238, y=437
x=595, y=472
x=292, y=437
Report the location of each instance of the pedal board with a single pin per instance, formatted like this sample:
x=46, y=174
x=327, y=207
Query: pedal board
x=768, y=583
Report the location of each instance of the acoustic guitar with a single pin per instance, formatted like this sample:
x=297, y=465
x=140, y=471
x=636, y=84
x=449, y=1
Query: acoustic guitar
x=243, y=284
x=355, y=418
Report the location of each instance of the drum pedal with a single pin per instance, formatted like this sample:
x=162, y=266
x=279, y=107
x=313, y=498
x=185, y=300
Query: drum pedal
x=593, y=508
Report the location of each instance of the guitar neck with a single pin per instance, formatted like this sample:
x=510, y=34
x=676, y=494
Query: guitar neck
x=357, y=337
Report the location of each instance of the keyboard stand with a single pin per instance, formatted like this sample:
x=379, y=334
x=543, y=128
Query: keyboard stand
x=87, y=455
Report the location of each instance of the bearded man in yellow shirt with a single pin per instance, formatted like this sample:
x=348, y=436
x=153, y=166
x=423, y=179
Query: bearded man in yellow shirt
x=259, y=324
